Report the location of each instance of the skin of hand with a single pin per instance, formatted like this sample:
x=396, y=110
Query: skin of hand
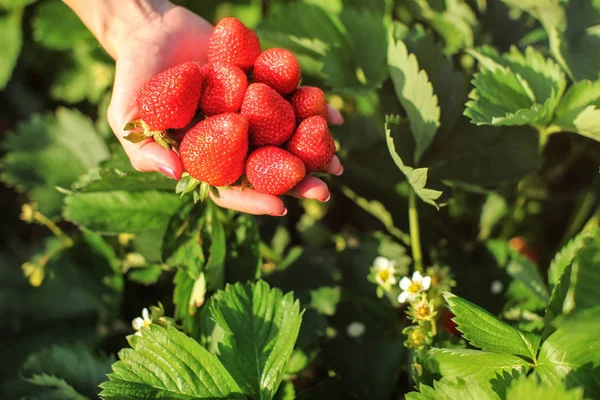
x=164, y=36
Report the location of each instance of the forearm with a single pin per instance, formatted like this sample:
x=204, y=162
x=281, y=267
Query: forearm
x=110, y=21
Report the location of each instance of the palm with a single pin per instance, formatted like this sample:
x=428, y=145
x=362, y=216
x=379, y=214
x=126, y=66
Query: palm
x=175, y=37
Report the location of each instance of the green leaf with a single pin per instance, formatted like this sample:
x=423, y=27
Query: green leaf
x=578, y=111
x=577, y=287
x=566, y=255
x=487, y=332
x=58, y=36
x=325, y=299
x=165, y=363
x=525, y=271
x=362, y=67
x=261, y=326
x=74, y=365
x=115, y=212
x=455, y=21
x=12, y=4
x=492, y=211
x=454, y=389
x=32, y=151
x=215, y=263
x=10, y=47
x=396, y=130
x=515, y=89
x=476, y=365
x=569, y=356
x=415, y=93
x=49, y=387
x=146, y=276
x=531, y=388
x=244, y=259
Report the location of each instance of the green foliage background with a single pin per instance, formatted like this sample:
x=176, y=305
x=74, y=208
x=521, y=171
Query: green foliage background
x=480, y=116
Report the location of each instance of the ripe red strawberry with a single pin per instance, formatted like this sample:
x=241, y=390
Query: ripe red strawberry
x=308, y=101
x=214, y=151
x=232, y=42
x=271, y=117
x=278, y=68
x=448, y=324
x=313, y=144
x=169, y=100
x=224, y=88
x=272, y=170
x=520, y=245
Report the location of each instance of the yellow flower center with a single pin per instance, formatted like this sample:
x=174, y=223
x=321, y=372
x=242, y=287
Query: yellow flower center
x=423, y=311
x=416, y=337
x=384, y=274
x=414, y=287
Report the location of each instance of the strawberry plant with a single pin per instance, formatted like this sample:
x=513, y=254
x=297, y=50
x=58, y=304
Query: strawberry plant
x=440, y=244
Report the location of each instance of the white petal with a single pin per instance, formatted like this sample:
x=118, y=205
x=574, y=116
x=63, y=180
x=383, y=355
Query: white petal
x=403, y=296
x=137, y=323
x=392, y=280
x=145, y=314
x=426, y=283
x=138, y=333
x=417, y=277
x=381, y=263
x=405, y=283
x=411, y=296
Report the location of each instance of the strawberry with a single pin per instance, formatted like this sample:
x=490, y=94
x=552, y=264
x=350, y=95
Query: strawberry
x=167, y=101
x=278, y=68
x=271, y=117
x=232, y=42
x=224, y=88
x=520, y=245
x=214, y=151
x=313, y=144
x=308, y=101
x=448, y=324
x=272, y=170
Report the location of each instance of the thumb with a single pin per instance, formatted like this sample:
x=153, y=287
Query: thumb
x=149, y=156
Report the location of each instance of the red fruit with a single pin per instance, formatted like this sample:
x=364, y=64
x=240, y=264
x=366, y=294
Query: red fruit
x=232, y=42
x=313, y=144
x=214, y=151
x=169, y=100
x=278, y=68
x=449, y=325
x=308, y=101
x=272, y=170
x=271, y=117
x=520, y=245
x=224, y=88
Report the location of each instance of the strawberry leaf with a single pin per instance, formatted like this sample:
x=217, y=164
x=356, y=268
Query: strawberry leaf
x=415, y=93
x=515, y=89
x=531, y=388
x=10, y=47
x=416, y=177
x=579, y=110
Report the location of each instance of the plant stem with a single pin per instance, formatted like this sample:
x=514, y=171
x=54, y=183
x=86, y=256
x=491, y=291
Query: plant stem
x=415, y=239
x=42, y=219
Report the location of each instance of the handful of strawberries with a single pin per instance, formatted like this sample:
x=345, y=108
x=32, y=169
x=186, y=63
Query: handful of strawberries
x=271, y=131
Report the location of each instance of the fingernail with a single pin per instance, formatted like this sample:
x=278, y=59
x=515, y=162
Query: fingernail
x=281, y=214
x=340, y=171
x=327, y=199
x=167, y=171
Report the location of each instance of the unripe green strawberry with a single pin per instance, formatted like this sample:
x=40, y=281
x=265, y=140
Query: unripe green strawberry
x=224, y=88
x=169, y=100
x=308, y=101
x=272, y=170
x=271, y=117
x=313, y=144
x=278, y=68
x=232, y=42
x=214, y=151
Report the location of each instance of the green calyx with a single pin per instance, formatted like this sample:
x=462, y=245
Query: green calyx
x=139, y=130
x=200, y=190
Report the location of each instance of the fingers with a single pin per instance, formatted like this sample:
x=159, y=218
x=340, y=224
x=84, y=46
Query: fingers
x=335, y=167
x=311, y=188
x=149, y=156
x=334, y=117
x=250, y=201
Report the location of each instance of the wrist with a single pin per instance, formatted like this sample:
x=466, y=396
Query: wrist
x=114, y=21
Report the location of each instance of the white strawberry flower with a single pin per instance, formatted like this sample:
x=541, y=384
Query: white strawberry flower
x=412, y=287
x=355, y=329
x=384, y=271
x=142, y=322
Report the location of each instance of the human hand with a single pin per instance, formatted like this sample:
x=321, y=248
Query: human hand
x=170, y=36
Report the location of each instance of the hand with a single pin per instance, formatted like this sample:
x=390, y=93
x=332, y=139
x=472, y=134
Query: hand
x=167, y=38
